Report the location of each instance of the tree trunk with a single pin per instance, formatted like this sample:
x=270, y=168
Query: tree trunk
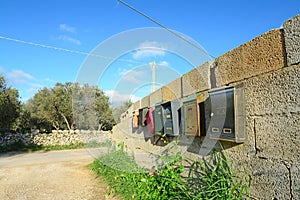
x=55, y=126
x=66, y=120
x=99, y=127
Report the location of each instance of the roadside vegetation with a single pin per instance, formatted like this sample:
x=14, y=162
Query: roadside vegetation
x=213, y=178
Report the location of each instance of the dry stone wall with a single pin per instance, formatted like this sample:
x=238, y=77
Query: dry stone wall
x=55, y=138
x=269, y=68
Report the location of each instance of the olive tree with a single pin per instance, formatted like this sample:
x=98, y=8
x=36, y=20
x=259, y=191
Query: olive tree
x=9, y=105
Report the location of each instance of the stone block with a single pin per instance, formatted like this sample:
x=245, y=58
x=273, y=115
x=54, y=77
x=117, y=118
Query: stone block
x=270, y=180
x=172, y=90
x=260, y=55
x=136, y=105
x=129, y=111
x=292, y=39
x=295, y=180
x=277, y=137
x=196, y=80
x=145, y=102
x=155, y=97
x=237, y=153
x=274, y=93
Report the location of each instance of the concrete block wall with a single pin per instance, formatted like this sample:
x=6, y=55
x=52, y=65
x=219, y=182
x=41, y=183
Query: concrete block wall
x=273, y=139
x=172, y=90
x=258, y=56
x=292, y=40
x=136, y=105
x=156, y=97
x=196, y=80
x=269, y=68
x=145, y=102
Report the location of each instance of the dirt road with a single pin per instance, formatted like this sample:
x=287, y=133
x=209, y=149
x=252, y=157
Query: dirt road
x=60, y=175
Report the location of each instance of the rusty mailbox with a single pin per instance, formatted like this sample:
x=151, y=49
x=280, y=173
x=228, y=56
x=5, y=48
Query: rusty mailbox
x=226, y=118
x=190, y=116
x=171, y=117
x=135, y=119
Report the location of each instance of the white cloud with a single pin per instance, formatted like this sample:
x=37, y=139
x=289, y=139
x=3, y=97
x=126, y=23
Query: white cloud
x=65, y=27
x=117, y=99
x=122, y=71
x=130, y=76
x=69, y=39
x=164, y=63
x=32, y=90
x=50, y=80
x=18, y=77
x=148, y=50
x=131, y=79
x=27, y=84
x=1, y=70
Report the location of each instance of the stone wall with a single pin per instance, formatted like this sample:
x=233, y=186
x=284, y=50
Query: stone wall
x=269, y=68
x=55, y=138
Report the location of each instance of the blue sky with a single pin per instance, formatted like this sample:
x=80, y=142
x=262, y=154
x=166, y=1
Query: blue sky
x=218, y=26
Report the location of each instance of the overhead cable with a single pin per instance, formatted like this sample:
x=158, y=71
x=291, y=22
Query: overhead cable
x=67, y=50
x=166, y=28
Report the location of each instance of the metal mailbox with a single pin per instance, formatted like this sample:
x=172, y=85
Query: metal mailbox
x=158, y=119
x=142, y=116
x=171, y=118
x=135, y=119
x=190, y=117
x=202, y=100
x=226, y=118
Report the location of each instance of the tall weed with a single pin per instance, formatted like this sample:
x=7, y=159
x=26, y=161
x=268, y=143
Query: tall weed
x=213, y=178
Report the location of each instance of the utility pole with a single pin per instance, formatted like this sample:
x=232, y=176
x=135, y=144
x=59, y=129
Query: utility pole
x=153, y=75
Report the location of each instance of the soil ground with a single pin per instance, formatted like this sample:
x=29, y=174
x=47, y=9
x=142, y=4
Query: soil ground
x=55, y=175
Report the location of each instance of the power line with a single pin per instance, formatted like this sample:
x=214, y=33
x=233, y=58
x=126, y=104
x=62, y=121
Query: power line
x=166, y=28
x=67, y=50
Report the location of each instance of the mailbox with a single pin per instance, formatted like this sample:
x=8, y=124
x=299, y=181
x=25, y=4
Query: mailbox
x=142, y=116
x=150, y=121
x=135, y=119
x=202, y=100
x=158, y=119
x=190, y=117
x=171, y=118
x=226, y=118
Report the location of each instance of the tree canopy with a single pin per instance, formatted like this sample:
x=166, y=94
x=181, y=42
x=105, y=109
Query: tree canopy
x=9, y=105
x=118, y=111
x=71, y=106
x=64, y=106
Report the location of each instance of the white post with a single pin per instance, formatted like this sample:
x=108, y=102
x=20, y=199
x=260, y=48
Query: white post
x=153, y=75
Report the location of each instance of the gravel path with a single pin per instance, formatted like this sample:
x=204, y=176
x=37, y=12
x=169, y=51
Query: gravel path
x=55, y=175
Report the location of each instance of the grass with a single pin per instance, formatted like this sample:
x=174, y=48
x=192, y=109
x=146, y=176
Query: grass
x=214, y=178
x=210, y=179
x=21, y=147
x=115, y=169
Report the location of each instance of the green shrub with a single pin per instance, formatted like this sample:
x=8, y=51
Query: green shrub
x=120, y=172
x=212, y=179
x=215, y=179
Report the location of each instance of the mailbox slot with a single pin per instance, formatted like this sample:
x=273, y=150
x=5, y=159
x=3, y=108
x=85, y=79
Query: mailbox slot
x=226, y=118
